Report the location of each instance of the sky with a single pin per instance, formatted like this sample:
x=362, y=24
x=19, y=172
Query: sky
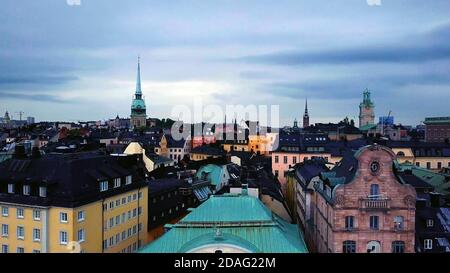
x=78, y=62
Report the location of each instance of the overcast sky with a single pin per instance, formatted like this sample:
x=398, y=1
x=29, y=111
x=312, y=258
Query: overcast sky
x=63, y=62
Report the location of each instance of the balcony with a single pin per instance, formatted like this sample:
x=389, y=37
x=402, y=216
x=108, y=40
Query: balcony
x=378, y=203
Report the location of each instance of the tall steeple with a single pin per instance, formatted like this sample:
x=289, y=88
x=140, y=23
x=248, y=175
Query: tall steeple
x=138, y=108
x=306, y=115
x=138, y=80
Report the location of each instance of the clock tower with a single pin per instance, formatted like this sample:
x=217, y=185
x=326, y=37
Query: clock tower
x=138, y=109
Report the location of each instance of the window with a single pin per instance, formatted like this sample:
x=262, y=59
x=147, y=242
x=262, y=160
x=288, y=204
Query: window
x=128, y=180
x=277, y=159
x=80, y=235
x=124, y=201
x=285, y=159
x=116, y=182
x=42, y=191
x=104, y=186
x=20, y=232
x=117, y=202
x=111, y=205
x=80, y=216
x=418, y=164
x=428, y=244
x=117, y=220
x=111, y=222
x=428, y=165
x=36, y=251
x=105, y=244
x=26, y=189
x=63, y=217
x=111, y=241
x=117, y=238
x=349, y=247
x=430, y=222
x=20, y=250
x=134, y=212
x=140, y=195
x=129, y=214
x=276, y=173
x=139, y=227
x=36, y=235
x=5, y=211
x=5, y=230
x=129, y=232
x=374, y=191
x=37, y=215
x=19, y=213
x=398, y=222
x=294, y=160
x=135, y=196
x=349, y=222
x=398, y=247
x=374, y=223
x=5, y=249
x=129, y=198
x=10, y=188
x=439, y=165
x=134, y=229
x=140, y=210
x=124, y=235
x=123, y=217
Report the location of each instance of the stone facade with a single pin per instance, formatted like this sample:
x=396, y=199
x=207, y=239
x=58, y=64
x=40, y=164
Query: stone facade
x=383, y=220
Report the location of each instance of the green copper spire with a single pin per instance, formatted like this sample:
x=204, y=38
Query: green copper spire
x=138, y=81
x=366, y=100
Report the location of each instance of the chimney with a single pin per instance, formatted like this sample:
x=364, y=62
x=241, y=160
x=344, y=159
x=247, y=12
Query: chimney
x=35, y=153
x=19, y=152
x=435, y=199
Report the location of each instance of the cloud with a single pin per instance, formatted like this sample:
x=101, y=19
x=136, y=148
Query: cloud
x=417, y=49
x=31, y=97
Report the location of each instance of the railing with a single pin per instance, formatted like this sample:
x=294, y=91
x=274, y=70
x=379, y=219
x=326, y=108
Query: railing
x=375, y=203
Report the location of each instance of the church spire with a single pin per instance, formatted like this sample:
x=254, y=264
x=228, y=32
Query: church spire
x=306, y=115
x=306, y=106
x=138, y=81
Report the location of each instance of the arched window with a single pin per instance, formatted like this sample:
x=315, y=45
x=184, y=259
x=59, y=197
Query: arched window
x=398, y=247
x=349, y=247
x=400, y=153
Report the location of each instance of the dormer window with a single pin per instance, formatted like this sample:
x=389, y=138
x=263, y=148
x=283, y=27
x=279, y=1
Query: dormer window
x=43, y=191
x=26, y=189
x=10, y=188
x=128, y=180
x=116, y=182
x=430, y=222
x=104, y=186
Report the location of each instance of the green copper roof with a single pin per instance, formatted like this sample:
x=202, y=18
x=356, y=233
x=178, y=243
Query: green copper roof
x=238, y=220
x=367, y=127
x=367, y=102
x=437, y=120
x=213, y=173
x=138, y=104
x=437, y=180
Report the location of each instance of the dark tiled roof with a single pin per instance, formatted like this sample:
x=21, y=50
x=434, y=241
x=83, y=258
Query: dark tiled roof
x=207, y=150
x=310, y=169
x=72, y=179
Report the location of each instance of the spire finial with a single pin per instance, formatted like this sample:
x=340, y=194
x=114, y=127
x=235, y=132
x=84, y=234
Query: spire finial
x=306, y=106
x=138, y=81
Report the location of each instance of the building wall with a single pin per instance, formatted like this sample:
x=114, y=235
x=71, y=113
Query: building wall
x=28, y=223
x=437, y=133
x=350, y=200
x=279, y=167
